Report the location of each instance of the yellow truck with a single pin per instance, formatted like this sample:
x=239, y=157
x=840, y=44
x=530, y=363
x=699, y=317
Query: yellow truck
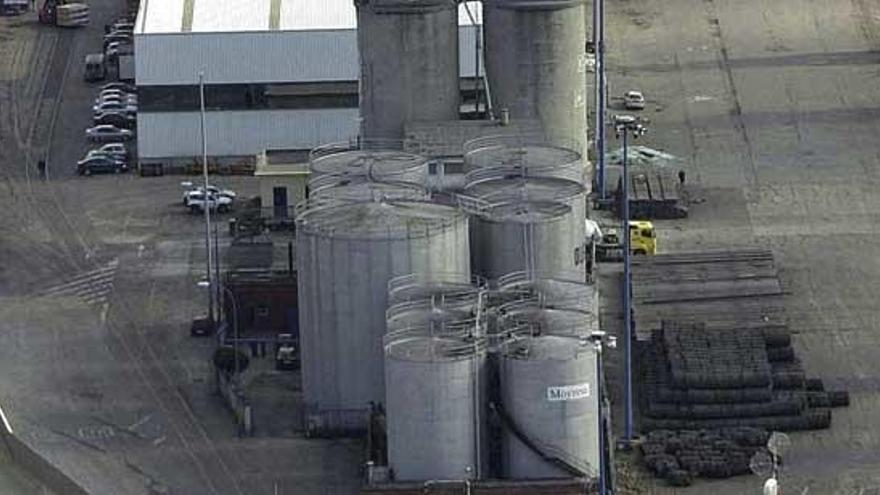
x=643, y=241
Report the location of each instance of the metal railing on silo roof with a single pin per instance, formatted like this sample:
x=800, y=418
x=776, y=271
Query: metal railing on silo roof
x=530, y=316
x=551, y=290
x=362, y=188
x=376, y=159
x=443, y=288
x=383, y=219
x=528, y=155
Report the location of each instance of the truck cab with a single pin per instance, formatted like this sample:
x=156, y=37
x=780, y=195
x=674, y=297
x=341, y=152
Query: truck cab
x=642, y=237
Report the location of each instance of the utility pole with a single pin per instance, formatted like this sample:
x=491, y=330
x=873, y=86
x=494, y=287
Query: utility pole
x=599, y=53
x=623, y=126
x=206, y=205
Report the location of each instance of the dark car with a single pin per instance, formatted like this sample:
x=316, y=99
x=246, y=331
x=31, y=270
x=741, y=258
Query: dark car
x=119, y=119
x=100, y=163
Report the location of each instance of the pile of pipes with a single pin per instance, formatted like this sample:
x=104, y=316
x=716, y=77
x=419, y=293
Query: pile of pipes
x=715, y=380
x=678, y=456
x=700, y=378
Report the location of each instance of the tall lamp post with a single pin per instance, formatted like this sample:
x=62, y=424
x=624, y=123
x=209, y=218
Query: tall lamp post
x=600, y=339
x=206, y=204
x=624, y=125
x=599, y=133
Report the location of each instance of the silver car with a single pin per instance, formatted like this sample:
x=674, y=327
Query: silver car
x=105, y=133
x=634, y=100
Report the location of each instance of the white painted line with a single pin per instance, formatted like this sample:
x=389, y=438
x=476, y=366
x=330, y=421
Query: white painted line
x=104, y=310
x=5, y=421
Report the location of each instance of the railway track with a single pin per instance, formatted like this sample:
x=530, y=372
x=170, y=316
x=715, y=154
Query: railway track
x=74, y=254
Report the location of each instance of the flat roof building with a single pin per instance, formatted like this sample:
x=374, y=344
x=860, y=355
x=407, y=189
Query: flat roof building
x=277, y=74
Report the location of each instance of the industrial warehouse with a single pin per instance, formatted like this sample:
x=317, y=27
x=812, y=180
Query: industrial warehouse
x=277, y=75
x=396, y=247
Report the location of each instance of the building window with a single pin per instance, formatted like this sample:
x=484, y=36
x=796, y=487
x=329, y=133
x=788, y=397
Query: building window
x=256, y=96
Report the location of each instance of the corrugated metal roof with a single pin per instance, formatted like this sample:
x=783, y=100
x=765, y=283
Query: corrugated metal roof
x=211, y=16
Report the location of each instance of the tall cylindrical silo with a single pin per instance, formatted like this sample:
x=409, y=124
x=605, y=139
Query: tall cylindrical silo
x=530, y=156
x=409, y=63
x=549, y=401
x=346, y=254
x=434, y=408
x=535, y=64
x=533, y=224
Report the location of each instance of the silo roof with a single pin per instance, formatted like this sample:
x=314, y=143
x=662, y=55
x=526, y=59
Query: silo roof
x=380, y=219
x=366, y=162
x=547, y=348
x=428, y=349
x=496, y=189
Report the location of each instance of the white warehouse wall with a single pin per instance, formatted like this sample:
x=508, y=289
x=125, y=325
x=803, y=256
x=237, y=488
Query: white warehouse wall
x=261, y=57
x=239, y=133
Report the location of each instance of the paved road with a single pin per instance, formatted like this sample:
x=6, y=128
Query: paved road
x=774, y=108
x=97, y=287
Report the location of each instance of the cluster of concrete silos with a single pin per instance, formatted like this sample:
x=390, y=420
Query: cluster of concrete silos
x=534, y=58
x=438, y=310
x=394, y=312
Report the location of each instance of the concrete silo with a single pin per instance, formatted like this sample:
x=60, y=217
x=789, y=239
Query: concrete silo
x=533, y=224
x=409, y=63
x=549, y=402
x=346, y=253
x=530, y=156
x=434, y=408
x=535, y=64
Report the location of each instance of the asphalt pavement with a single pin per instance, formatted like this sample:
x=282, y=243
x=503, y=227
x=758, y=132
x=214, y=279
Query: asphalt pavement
x=774, y=110
x=97, y=291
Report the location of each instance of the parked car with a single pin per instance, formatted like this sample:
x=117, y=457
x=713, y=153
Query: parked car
x=106, y=132
x=95, y=163
x=117, y=150
x=114, y=106
x=634, y=100
x=119, y=119
x=117, y=36
x=128, y=100
x=213, y=190
x=219, y=202
x=117, y=48
x=118, y=93
x=119, y=86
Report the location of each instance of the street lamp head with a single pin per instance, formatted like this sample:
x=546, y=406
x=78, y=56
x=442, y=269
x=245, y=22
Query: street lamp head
x=203, y=283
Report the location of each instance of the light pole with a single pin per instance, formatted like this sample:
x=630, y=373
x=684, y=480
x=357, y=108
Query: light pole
x=206, y=203
x=599, y=133
x=600, y=339
x=228, y=291
x=623, y=126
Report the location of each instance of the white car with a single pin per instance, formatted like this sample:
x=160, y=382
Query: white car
x=115, y=106
x=196, y=202
x=213, y=190
x=104, y=133
x=634, y=100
